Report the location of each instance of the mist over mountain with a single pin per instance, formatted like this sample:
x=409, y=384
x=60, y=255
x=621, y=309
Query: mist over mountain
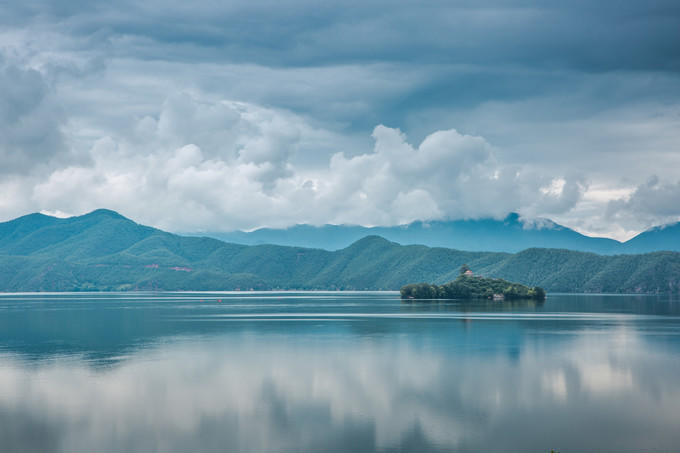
x=511, y=235
x=103, y=250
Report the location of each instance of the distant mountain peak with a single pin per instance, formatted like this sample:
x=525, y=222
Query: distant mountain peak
x=665, y=226
x=33, y=216
x=658, y=238
x=540, y=223
x=25, y=223
x=102, y=212
x=370, y=240
x=509, y=234
x=512, y=218
x=99, y=252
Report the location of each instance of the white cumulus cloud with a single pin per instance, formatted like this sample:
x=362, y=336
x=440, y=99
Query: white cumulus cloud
x=201, y=165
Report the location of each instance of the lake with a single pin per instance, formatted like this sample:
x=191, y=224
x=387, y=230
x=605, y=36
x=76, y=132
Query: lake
x=336, y=372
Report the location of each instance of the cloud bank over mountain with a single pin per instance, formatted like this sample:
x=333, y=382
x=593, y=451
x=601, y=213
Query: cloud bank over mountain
x=229, y=164
x=245, y=115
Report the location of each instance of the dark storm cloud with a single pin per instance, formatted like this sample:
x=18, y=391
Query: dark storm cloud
x=589, y=36
x=469, y=52
x=30, y=121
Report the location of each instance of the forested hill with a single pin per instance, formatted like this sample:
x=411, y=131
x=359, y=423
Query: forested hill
x=106, y=251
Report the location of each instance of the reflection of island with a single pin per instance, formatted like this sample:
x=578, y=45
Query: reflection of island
x=470, y=286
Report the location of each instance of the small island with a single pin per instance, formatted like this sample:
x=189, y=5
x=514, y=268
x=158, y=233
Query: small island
x=470, y=286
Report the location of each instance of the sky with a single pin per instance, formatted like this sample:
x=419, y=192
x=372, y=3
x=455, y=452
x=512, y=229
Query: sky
x=221, y=115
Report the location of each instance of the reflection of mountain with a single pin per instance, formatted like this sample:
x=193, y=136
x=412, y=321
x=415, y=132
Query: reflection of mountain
x=387, y=384
x=105, y=251
x=108, y=326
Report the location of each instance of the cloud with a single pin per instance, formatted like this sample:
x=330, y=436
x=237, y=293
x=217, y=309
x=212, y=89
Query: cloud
x=573, y=93
x=654, y=202
x=456, y=175
x=247, y=390
x=30, y=121
x=551, y=34
x=225, y=165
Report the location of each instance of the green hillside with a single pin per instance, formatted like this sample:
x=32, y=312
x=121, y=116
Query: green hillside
x=106, y=251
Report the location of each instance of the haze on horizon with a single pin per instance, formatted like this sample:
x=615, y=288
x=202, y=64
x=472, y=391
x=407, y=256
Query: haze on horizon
x=204, y=116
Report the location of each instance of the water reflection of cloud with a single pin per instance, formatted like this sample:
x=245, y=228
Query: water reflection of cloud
x=249, y=395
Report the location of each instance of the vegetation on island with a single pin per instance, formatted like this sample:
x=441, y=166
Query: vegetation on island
x=470, y=286
x=104, y=251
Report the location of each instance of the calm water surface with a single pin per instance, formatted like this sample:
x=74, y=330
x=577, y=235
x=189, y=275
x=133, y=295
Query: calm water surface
x=326, y=372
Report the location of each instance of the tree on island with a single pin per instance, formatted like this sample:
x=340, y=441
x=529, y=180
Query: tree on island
x=464, y=268
x=465, y=287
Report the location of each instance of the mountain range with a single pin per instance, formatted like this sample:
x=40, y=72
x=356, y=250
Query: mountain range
x=103, y=250
x=511, y=235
